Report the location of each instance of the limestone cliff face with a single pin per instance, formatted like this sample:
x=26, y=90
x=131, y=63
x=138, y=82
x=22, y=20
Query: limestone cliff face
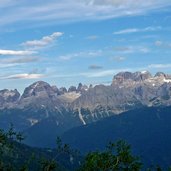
x=8, y=98
x=41, y=103
x=127, y=91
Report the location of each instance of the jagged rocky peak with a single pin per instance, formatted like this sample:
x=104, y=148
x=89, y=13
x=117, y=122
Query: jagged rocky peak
x=71, y=89
x=62, y=90
x=129, y=76
x=90, y=86
x=39, y=88
x=121, y=76
x=81, y=88
x=85, y=87
x=9, y=96
x=80, y=85
x=55, y=89
x=141, y=76
x=160, y=74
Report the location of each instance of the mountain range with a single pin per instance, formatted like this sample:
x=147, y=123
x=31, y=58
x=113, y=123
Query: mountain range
x=44, y=112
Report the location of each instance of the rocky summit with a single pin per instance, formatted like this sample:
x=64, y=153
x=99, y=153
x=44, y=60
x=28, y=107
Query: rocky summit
x=45, y=108
x=8, y=97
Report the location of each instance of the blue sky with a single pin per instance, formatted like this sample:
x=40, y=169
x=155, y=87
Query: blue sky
x=65, y=42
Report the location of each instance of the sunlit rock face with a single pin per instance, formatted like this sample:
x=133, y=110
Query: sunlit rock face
x=8, y=98
x=43, y=107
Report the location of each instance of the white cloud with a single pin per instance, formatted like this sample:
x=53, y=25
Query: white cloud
x=159, y=66
x=131, y=49
x=133, y=30
x=96, y=74
x=86, y=54
x=8, y=3
x=4, y=66
x=104, y=73
x=60, y=11
x=136, y=30
x=14, y=52
x=144, y=50
x=20, y=60
x=123, y=3
x=44, y=41
x=118, y=58
x=24, y=76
